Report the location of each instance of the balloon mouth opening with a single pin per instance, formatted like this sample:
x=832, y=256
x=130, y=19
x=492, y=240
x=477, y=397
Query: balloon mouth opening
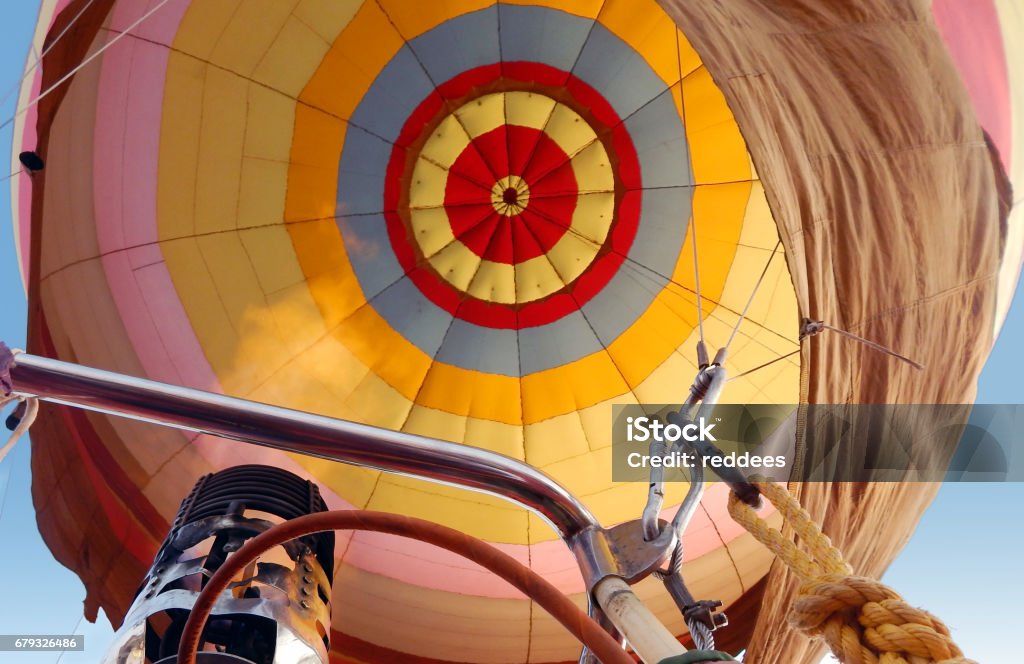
x=510, y=196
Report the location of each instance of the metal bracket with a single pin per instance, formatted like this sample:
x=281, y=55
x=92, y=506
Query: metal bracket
x=621, y=551
x=700, y=615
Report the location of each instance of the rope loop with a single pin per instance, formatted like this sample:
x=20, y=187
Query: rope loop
x=862, y=620
x=24, y=414
x=19, y=421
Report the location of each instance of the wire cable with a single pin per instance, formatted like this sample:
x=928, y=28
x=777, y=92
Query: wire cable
x=696, y=280
x=39, y=97
x=766, y=364
x=38, y=60
x=753, y=294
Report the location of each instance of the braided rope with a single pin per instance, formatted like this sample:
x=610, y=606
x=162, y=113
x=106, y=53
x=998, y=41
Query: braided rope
x=862, y=620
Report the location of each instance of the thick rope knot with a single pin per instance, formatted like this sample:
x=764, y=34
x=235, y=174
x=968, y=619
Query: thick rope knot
x=862, y=620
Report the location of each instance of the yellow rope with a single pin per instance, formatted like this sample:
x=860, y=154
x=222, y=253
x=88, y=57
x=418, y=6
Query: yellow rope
x=861, y=620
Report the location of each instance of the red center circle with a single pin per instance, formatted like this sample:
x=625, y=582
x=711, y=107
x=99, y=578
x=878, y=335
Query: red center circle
x=538, y=79
x=547, y=213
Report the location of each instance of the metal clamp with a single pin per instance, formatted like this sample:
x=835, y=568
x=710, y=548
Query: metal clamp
x=621, y=551
x=704, y=612
x=700, y=615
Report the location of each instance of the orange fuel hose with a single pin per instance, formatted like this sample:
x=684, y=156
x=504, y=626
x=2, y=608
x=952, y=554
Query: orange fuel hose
x=508, y=568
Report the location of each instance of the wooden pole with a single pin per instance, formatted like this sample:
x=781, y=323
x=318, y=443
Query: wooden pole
x=648, y=637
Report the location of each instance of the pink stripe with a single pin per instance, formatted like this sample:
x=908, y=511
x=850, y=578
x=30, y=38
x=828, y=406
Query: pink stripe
x=129, y=106
x=972, y=33
x=29, y=141
x=160, y=27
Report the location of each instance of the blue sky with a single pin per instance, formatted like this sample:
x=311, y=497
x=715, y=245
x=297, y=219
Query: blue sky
x=963, y=563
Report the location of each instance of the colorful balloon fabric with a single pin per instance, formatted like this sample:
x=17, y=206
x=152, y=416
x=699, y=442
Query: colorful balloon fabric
x=469, y=220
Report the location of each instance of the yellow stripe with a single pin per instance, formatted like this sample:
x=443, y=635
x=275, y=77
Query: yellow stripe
x=536, y=278
x=717, y=149
x=447, y=142
x=583, y=8
x=482, y=114
x=327, y=17
x=593, y=216
x=592, y=169
x=313, y=168
x=458, y=265
x=427, y=187
x=432, y=231
x=493, y=282
x=569, y=258
x=412, y=19
x=648, y=30
x=367, y=43
x=478, y=395
x=566, y=128
x=528, y=109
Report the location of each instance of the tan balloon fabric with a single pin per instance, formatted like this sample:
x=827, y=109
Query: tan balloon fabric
x=877, y=174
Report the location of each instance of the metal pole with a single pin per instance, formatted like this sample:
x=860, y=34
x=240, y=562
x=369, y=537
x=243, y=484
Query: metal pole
x=348, y=442
x=296, y=431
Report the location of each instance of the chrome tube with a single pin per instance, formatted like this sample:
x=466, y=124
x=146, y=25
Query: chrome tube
x=304, y=433
x=656, y=487
x=737, y=481
x=696, y=491
x=706, y=389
